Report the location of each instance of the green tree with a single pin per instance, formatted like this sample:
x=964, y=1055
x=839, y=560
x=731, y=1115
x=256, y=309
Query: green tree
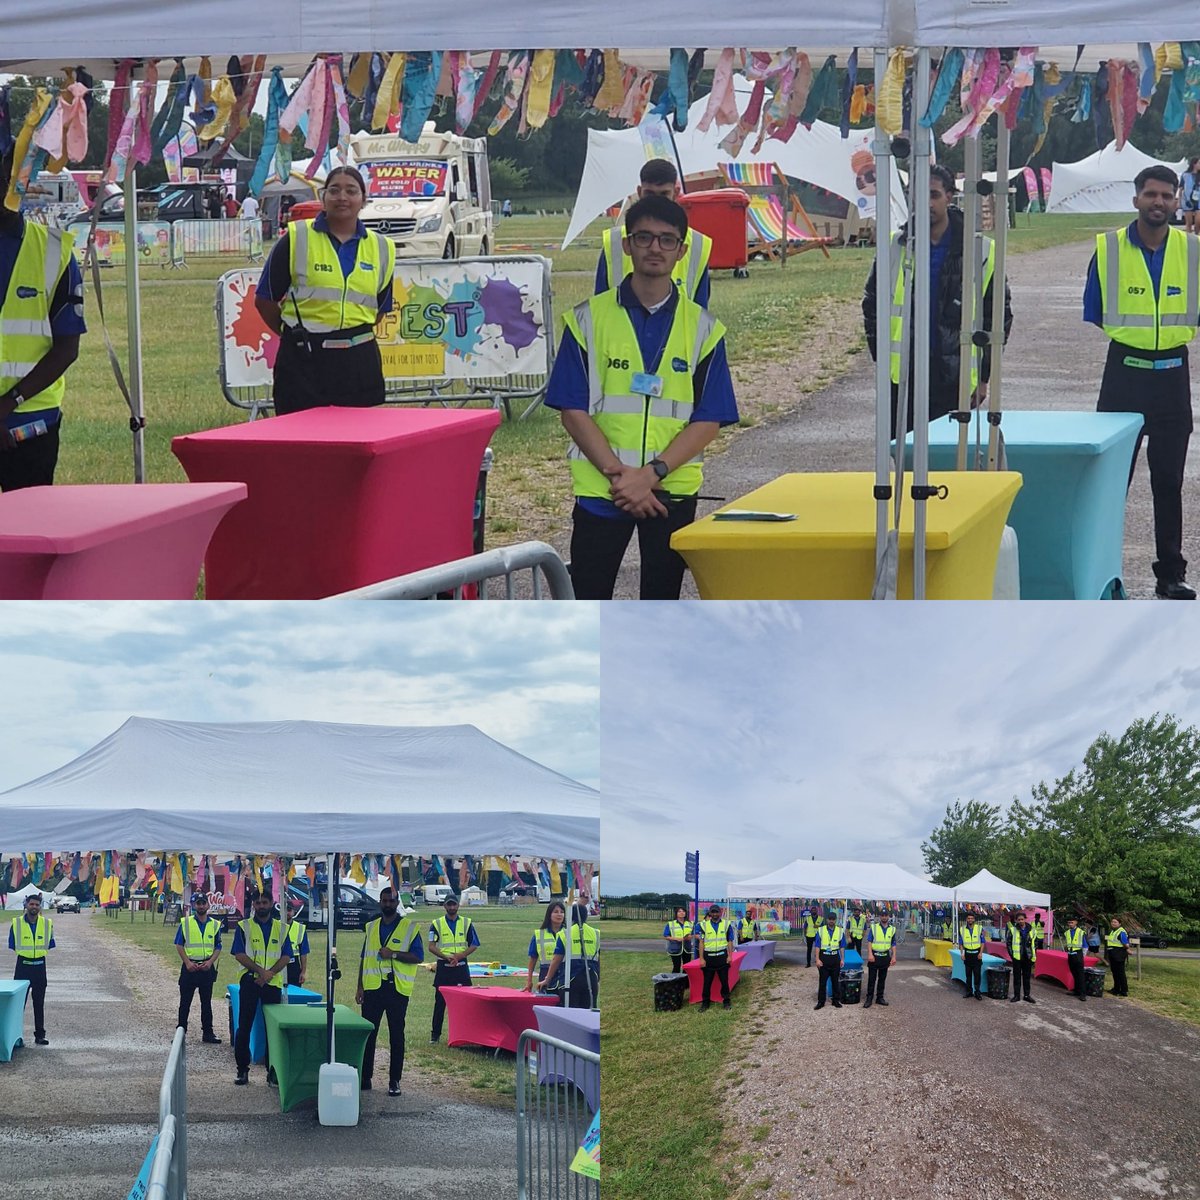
x=961, y=845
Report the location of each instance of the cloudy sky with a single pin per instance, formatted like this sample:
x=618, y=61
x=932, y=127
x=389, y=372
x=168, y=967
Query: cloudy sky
x=525, y=674
x=763, y=733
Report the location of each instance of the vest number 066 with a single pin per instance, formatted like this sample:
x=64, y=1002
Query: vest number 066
x=618, y=364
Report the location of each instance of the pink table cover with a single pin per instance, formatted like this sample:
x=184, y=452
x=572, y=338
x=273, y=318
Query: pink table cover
x=696, y=978
x=490, y=1016
x=109, y=541
x=1053, y=963
x=340, y=497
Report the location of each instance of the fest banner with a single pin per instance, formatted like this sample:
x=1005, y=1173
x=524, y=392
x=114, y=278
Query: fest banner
x=153, y=237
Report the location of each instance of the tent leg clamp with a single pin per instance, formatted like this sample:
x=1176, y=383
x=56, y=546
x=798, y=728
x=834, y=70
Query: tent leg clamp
x=962, y=416
x=994, y=418
x=137, y=424
x=930, y=492
x=883, y=491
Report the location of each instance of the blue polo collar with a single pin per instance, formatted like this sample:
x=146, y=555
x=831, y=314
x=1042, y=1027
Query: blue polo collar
x=321, y=222
x=627, y=297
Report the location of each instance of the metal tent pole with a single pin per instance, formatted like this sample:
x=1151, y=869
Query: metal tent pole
x=883, y=324
x=133, y=323
x=970, y=310
x=919, y=198
x=1000, y=231
x=331, y=963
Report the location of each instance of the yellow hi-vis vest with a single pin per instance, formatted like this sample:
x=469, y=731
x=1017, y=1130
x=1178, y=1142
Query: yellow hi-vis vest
x=544, y=939
x=296, y=932
x=810, y=926
x=32, y=943
x=453, y=941
x=987, y=255
x=585, y=943
x=972, y=938
x=882, y=937
x=716, y=937
x=1114, y=937
x=829, y=940
x=200, y=941
x=1016, y=944
x=681, y=931
x=697, y=250
x=263, y=953
x=25, y=334
x=1130, y=313
x=1073, y=940
x=375, y=969
x=326, y=299
x=639, y=427
x=1039, y=930
x=857, y=926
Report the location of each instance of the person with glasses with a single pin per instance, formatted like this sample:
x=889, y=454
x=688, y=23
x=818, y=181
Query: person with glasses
x=326, y=284
x=658, y=177
x=198, y=943
x=642, y=384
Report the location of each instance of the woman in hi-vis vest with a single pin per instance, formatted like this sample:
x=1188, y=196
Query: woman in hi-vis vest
x=324, y=288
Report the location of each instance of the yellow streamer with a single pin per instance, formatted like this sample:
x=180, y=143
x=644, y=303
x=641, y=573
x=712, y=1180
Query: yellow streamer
x=37, y=110
x=224, y=98
x=360, y=75
x=388, y=99
x=612, y=90
x=889, y=99
x=538, y=89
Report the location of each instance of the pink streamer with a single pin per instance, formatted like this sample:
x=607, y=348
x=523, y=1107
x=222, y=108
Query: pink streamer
x=722, y=100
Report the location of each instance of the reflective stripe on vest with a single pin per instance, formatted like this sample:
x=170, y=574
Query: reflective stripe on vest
x=882, y=938
x=680, y=930
x=1073, y=940
x=987, y=258
x=375, y=969
x=1130, y=312
x=716, y=937
x=686, y=272
x=589, y=947
x=972, y=938
x=32, y=943
x=810, y=927
x=200, y=942
x=328, y=300
x=639, y=427
x=830, y=939
x=1114, y=938
x=1016, y=944
x=545, y=940
x=857, y=926
x=264, y=954
x=25, y=331
x=452, y=941
x=296, y=932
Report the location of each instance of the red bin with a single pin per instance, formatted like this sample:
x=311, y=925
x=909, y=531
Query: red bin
x=722, y=215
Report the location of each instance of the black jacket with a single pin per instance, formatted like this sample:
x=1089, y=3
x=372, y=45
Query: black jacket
x=943, y=366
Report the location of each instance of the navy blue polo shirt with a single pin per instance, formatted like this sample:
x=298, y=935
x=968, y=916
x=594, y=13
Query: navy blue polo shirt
x=1093, y=305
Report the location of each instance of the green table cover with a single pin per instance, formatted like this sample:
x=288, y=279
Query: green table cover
x=296, y=1040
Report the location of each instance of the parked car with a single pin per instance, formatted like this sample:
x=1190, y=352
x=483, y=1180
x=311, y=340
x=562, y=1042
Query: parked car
x=1152, y=941
x=354, y=907
x=64, y=904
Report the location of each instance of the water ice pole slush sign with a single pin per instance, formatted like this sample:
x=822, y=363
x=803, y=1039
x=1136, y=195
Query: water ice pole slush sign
x=408, y=177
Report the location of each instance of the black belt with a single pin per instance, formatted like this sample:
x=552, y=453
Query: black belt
x=33, y=962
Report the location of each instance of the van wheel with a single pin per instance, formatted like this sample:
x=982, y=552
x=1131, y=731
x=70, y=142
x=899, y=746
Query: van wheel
x=448, y=252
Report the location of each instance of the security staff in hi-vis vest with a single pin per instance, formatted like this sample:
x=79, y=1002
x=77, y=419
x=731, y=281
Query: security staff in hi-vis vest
x=970, y=938
x=881, y=954
x=1039, y=931
x=198, y=943
x=679, y=934
x=1074, y=945
x=41, y=320
x=1116, y=945
x=856, y=927
x=387, y=970
x=658, y=177
x=1022, y=949
x=811, y=924
x=260, y=946
x=642, y=385
x=583, y=986
x=545, y=937
x=325, y=286
x=1143, y=290
x=831, y=941
x=716, y=939
x=31, y=935
x=297, y=968
x=452, y=940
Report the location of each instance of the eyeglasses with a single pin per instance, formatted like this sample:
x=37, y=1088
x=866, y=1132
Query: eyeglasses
x=644, y=239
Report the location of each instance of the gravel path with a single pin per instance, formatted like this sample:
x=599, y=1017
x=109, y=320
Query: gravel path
x=79, y=1114
x=923, y=1099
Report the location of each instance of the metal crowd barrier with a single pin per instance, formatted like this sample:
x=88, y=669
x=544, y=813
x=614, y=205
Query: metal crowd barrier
x=168, y=1174
x=552, y=1118
x=453, y=578
x=215, y=239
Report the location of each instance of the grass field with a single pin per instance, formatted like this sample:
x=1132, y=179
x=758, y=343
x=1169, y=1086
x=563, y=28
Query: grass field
x=504, y=935
x=771, y=316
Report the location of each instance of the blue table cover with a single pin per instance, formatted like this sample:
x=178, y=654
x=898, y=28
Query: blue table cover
x=958, y=969
x=12, y=1015
x=258, y=1031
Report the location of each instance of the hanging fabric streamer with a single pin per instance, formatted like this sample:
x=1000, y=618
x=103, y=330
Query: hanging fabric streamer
x=224, y=98
x=341, y=107
x=165, y=127
x=421, y=74
x=1147, y=78
x=756, y=70
x=948, y=77
x=118, y=100
x=6, y=134
x=889, y=95
x=320, y=120
x=1175, y=110
x=612, y=89
x=514, y=87
x=276, y=99
x=1101, y=114
x=465, y=79
x=540, y=88
x=488, y=81
x=722, y=100
x=388, y=98
x=25, y=152
x=849, y=85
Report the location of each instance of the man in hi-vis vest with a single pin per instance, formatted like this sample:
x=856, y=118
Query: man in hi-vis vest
x=41, y=319
x=658, y=177
x=198, y=943
x=1143, y=290
x=642, y=384
x=31, y=935
x=386, y=973
x=264, y=952
x=452, y=941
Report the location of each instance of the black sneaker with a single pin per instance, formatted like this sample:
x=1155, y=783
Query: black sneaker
x=242, y=1078
x=41, y=1041
x=816, y=1006
x=726, y=1003
x=394, y=1088
x=704, y=1005
x=364, y=1085
x=433, y=1040
x=882, y=1001
x=868, y=1001
x=978, y=996
x=211, y=1039
x=1015, y=1000
x=1174, y=589
x=1030, y=1000
x=838, y=1003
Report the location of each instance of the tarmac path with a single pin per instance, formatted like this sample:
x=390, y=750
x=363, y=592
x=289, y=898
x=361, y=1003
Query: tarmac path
x=77, y=1116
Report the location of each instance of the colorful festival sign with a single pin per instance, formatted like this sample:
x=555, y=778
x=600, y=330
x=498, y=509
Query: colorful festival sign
x=406, y=178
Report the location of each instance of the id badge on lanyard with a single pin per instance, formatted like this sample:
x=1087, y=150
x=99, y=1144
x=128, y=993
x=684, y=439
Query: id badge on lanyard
x=645, y=384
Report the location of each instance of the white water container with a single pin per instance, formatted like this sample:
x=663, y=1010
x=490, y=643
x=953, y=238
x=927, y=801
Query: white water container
x=337, y=1094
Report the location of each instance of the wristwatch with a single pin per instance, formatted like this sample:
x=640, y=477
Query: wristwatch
x=660, y=468
x=14, y=394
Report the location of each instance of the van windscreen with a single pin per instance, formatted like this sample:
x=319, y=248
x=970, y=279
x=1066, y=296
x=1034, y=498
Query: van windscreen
x=405, y=178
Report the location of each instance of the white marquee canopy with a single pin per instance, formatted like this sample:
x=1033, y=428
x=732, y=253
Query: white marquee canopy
x=806, y=878
x=985, y=888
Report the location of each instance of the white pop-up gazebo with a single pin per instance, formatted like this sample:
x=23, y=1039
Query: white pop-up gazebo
x=841, y=880
x=985, y=888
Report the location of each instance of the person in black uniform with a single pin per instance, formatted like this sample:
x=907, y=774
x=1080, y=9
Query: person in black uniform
x=198, y=943
x=712, y=933
x=881, y=954
x=1073, y=941
x=831, y=941
x=324, y=287
x=857, y=927
x=970, y=938
x=1018, y=937
x=1117, y=944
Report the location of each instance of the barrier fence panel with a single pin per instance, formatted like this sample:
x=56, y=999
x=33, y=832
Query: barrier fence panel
x=553, y=1117
x=153, y=238
x=460, y=330
x=212, y=239
x=168, y=1174
x=453, y=579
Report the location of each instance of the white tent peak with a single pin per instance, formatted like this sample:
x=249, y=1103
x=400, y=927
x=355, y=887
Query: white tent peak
x=1102, y=182
x=839, y=880
x=985, y=888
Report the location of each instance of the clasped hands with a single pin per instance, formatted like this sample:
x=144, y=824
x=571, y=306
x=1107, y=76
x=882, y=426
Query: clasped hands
x=633, y=491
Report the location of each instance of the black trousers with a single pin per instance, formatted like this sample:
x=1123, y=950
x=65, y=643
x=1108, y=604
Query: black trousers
x=1075, y=962
x=973, y=966
x=677, y=960
x=856, y=944
x=30, y=463
x=716, y=966
x=1164, y=399
x=585, y=989
x=37, y=990
x=445, y=976
x=808, y=956
x=1116, y=962
x=877, y=977
x=378, y=1003
x=317, y=378
x=248, y=1000
x=1022, y=970
x=191, y=982
x=598, y=545
x=293, y=972
x=830, y=969
x=941, y=401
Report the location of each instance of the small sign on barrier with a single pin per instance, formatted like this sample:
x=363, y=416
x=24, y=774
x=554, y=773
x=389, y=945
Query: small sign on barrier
x=153, y=242
x=141, y=1185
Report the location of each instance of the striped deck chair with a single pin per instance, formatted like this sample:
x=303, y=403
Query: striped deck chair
x=773, y=227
